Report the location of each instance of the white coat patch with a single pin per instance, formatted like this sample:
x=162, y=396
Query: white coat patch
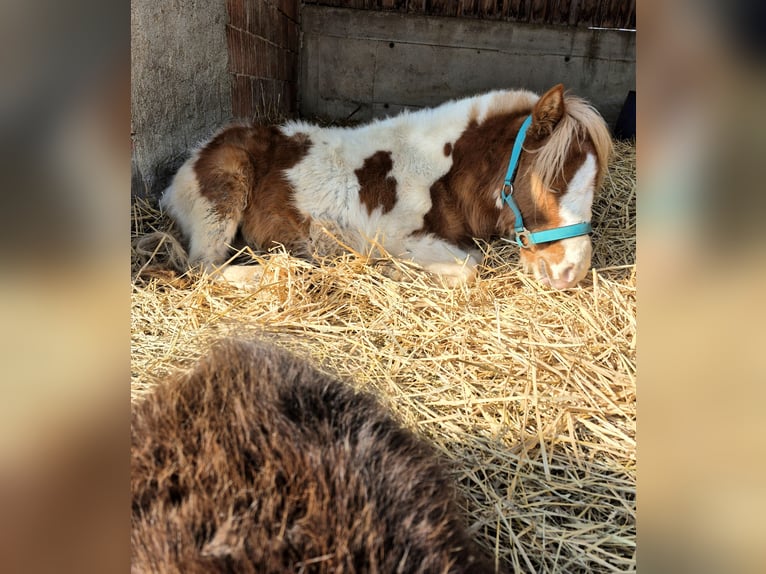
x=574, y=207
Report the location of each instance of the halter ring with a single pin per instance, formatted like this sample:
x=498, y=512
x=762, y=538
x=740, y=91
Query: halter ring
x=524, y=238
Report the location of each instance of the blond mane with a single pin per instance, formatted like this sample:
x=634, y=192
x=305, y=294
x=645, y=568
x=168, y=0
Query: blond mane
x=580, y=120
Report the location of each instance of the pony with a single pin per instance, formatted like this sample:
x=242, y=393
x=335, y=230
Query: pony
x=423, y=185
x=255, y=462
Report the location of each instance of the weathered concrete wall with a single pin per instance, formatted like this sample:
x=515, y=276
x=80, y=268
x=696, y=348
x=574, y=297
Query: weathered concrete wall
x=180, y=85
x=370, y=64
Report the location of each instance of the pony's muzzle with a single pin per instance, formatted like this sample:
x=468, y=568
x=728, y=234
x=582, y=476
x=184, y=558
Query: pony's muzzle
x=562, y=265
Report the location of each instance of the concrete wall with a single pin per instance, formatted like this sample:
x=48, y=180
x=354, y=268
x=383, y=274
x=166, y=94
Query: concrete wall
x=180, y=85
x=366, y=64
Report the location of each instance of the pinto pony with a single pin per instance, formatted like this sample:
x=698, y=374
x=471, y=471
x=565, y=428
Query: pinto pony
x=423, y=185
x=256, y=463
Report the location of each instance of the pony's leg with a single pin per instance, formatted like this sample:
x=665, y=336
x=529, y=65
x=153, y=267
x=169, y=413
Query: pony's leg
x=208, y=207
x=272, y=221
x=242, y=275
x=209, y=232
x=210, y=239
x=454, y=265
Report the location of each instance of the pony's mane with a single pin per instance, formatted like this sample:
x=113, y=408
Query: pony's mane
x=580, y=120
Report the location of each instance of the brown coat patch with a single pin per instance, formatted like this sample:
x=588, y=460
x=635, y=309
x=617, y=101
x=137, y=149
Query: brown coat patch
x=241, y=171
x=256, y=462
x=376, y=187
x=447, y=149
x=463, y=201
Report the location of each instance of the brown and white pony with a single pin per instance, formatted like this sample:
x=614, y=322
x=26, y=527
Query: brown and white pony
x=255, y=462
x=422, y=184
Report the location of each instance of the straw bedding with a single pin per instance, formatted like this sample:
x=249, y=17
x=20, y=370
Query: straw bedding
x=528, y=393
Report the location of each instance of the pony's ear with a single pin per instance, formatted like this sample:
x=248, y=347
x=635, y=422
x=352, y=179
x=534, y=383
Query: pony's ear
x=548, y=110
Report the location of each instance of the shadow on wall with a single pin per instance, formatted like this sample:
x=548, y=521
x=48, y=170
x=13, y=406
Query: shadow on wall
x=625, y=127
x=159, y=179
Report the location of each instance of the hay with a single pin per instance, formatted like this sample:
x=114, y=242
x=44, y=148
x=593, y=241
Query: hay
x=530, y=393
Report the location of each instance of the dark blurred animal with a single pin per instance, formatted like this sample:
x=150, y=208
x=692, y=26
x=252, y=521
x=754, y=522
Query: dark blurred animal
x=257, y=462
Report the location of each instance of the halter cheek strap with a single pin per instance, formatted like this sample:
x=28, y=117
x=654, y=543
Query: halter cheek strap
x=522, y=236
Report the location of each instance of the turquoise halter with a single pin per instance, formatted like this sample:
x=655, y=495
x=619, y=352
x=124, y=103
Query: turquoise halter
x=522, y=236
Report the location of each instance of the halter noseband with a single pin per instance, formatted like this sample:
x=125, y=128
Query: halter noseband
x=522, y=236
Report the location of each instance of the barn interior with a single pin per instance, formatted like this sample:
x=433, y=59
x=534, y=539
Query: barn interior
x=528, y=393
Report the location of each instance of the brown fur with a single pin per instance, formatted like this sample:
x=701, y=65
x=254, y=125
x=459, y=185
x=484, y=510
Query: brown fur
x=548, y=112
x=255, y=462
x=241, y=172
x=464, y=200
x=376, y=187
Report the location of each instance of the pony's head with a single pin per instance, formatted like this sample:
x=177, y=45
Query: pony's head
x=563, y=162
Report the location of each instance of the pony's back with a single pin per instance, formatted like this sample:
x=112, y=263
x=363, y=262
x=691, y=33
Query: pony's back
x=256, y=462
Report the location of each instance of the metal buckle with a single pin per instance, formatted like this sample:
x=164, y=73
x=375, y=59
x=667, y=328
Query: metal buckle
x=506, y=188
x=524, y=238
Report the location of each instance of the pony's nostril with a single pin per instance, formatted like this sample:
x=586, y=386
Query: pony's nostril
x=568, y=274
